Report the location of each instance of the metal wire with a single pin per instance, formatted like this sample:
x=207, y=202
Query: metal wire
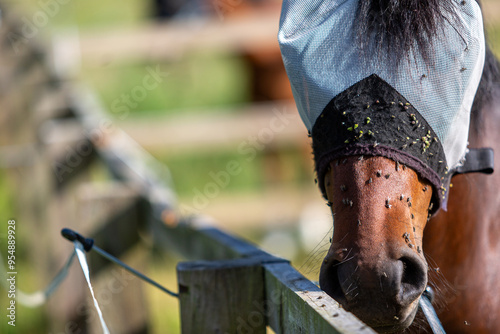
x=38, y=298
x=425, y=304
x=88, y=244
x=133, y=271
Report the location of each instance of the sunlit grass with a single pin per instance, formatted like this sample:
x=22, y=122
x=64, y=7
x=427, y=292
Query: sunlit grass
x=164, y=312
x=87, y=14
x=28, y=320
x=201, y=81
x=493, y=37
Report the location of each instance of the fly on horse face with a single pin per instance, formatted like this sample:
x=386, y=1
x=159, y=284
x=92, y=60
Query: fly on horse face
x=401, y=101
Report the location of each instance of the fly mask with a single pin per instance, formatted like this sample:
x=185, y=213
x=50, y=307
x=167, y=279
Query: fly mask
x=355, y=100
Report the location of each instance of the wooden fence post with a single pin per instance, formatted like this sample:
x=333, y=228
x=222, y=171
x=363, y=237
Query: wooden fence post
x=222, y=296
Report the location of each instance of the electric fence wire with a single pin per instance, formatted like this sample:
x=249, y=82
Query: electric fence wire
x=425, y=304
x=40, y=297
x=81, y=244
x=85, y=268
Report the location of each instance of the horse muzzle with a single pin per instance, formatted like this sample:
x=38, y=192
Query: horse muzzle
x=383, y=291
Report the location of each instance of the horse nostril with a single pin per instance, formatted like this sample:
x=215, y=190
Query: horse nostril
x=329, y=280
x=413, y=279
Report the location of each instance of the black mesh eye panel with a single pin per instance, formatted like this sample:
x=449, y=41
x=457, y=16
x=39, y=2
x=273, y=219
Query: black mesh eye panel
x=372, y=118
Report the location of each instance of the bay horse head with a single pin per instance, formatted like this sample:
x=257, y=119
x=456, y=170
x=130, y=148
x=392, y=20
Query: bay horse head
x=381, y=196
x=386, y=90
x=375, y=266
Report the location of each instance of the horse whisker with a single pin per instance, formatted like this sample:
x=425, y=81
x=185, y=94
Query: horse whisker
x=349, y=291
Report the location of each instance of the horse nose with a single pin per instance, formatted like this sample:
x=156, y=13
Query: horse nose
x=362, y=282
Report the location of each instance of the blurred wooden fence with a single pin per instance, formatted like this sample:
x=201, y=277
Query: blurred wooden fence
x=73, y=168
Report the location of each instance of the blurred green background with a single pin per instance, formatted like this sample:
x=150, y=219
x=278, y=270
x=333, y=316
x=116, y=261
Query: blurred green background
x=199, y=84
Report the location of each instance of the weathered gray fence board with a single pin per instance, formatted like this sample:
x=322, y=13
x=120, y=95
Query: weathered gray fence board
x=292, y=303
x=181, y=37
x=202, y=243
x=221, y=296
x=49, y=156
x=118, y=233
x=296, y=305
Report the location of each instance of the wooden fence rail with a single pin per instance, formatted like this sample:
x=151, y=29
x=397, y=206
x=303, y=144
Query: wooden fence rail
x=246, y=294
x=232, y=287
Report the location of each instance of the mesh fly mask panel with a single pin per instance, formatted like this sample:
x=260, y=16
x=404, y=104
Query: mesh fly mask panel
x=355, y=102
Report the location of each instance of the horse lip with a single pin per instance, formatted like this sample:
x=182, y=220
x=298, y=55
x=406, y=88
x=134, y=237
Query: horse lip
x=394, y=326
x=398, y=325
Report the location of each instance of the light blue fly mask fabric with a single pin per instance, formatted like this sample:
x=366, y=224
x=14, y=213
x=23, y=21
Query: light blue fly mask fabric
x=323, y=60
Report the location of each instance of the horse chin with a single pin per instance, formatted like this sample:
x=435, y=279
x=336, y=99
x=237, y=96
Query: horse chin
x=380, y=322
x=396, y=325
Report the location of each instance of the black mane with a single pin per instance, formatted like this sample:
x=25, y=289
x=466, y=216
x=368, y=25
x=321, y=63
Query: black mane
x=488, y=89
x=396, y=27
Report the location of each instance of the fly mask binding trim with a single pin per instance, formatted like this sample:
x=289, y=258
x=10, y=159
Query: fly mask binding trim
x=326, y=64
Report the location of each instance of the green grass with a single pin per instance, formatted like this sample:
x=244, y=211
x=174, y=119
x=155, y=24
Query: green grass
x=201, y=81
x=493, y=38
x=163, y=309
x=193, y=172
x=196, y=81
x=83, y=14
x=6, y=200
x=27, y=320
